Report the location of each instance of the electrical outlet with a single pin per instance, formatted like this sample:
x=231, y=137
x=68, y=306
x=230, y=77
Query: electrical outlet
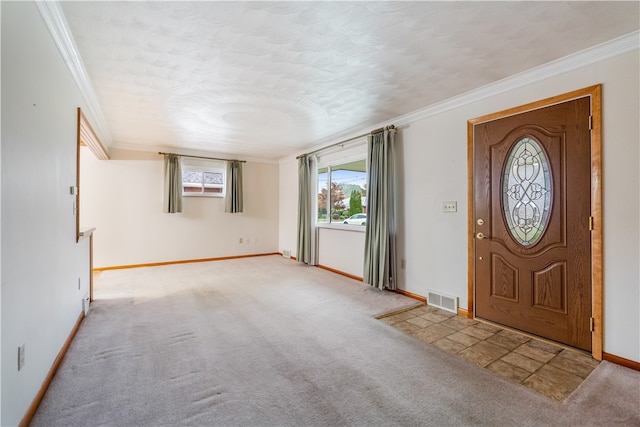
x=241, y=240
x=451, y=206
x=403, y=263
x=20, y=357
x=247, y=240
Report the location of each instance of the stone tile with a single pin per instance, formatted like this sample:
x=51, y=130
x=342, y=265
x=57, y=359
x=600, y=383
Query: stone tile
x=420, y=322
x=465, y=339
x=534, y=353
x=475, y=358
x=553, y=382
x=434, y=332
x=435, y=317
x=490, y=328
x=571, y=366
x=449, y=346
x=559, y=377
x=546, y=388
x=446, y=313
x=483, y=353
x=405, y=326
x=421, y=310
x=508, y=371
x=514, y=336
x=548, y=369
x=395, y=318
x=504, y=341
x=491, y=350
x=424, y=336
x=542, y=345
x=458, y=322
x=522, y=362
x=477, y=331
x=580, y=357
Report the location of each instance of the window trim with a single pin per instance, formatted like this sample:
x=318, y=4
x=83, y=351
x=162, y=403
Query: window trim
x=212, y=166
x=355, y=154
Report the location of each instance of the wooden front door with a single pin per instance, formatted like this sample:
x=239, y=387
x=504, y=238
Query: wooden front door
x=532, y=220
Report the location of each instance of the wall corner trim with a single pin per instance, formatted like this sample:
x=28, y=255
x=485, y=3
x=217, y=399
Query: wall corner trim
x=609, y=49
x=621, y=361
x=182, y=261
x=53, y=16
x=411, y=295
x=31, y=411
x=342, y=273
x=465, y=313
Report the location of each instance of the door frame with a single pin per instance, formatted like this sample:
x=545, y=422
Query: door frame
x=595, y=96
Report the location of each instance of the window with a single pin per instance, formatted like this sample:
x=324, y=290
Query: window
x=527, y=192
x=342, y=193
x=202, y=178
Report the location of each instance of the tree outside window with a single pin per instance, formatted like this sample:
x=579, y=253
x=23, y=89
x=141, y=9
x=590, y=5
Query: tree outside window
x=341, y=189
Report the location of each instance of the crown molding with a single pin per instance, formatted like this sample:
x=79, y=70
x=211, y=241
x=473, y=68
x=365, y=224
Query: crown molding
x=188, y=152
x=609, y=49
x=53, y=17
x=606, y=50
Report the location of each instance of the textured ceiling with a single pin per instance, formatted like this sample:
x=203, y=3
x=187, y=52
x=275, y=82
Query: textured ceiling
x=267, y=79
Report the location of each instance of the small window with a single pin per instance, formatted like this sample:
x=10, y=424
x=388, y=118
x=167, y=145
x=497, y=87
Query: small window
x=203, y=178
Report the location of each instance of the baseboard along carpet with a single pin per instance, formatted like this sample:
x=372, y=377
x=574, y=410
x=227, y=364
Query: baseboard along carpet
x=270, y=342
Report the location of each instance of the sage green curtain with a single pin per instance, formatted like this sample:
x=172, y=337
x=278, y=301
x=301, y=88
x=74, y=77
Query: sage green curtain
x=172, y=184
x=380, y=235
x=233, y=197
x=306, y=221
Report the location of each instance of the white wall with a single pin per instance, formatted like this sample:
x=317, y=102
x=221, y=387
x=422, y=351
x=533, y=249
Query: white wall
x=41, y=261
x=336, y=249
x=123, y=200
x=433, y=169
x=288, y=206
x=0, y=235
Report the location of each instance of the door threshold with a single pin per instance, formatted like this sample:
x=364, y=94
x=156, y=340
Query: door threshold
x=533, y=336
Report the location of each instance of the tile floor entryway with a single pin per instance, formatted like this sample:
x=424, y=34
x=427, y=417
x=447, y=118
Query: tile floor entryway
x=549, y=369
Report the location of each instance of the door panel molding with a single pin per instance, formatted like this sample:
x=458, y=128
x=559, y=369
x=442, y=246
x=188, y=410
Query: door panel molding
x=594, y=93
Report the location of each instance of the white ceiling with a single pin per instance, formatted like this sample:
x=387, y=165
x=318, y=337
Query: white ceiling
x=268, y=79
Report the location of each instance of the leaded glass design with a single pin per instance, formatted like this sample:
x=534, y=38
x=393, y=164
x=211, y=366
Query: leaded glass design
x=527, y=191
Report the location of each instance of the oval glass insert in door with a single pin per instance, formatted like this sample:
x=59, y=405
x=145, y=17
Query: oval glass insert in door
x=527, y=191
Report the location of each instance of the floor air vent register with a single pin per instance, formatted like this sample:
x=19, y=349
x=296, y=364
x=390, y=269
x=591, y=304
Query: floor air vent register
x=440, y=300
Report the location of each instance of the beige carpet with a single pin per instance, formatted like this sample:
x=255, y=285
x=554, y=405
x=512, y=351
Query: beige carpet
x=269, y=342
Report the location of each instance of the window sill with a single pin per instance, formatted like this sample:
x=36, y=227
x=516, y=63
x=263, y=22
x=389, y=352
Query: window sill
x=342, y=227
x=86, y=232
x=214, y=196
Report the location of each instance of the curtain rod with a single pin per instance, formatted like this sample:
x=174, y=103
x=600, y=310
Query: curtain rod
x=347, y=140
x=201, y=157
